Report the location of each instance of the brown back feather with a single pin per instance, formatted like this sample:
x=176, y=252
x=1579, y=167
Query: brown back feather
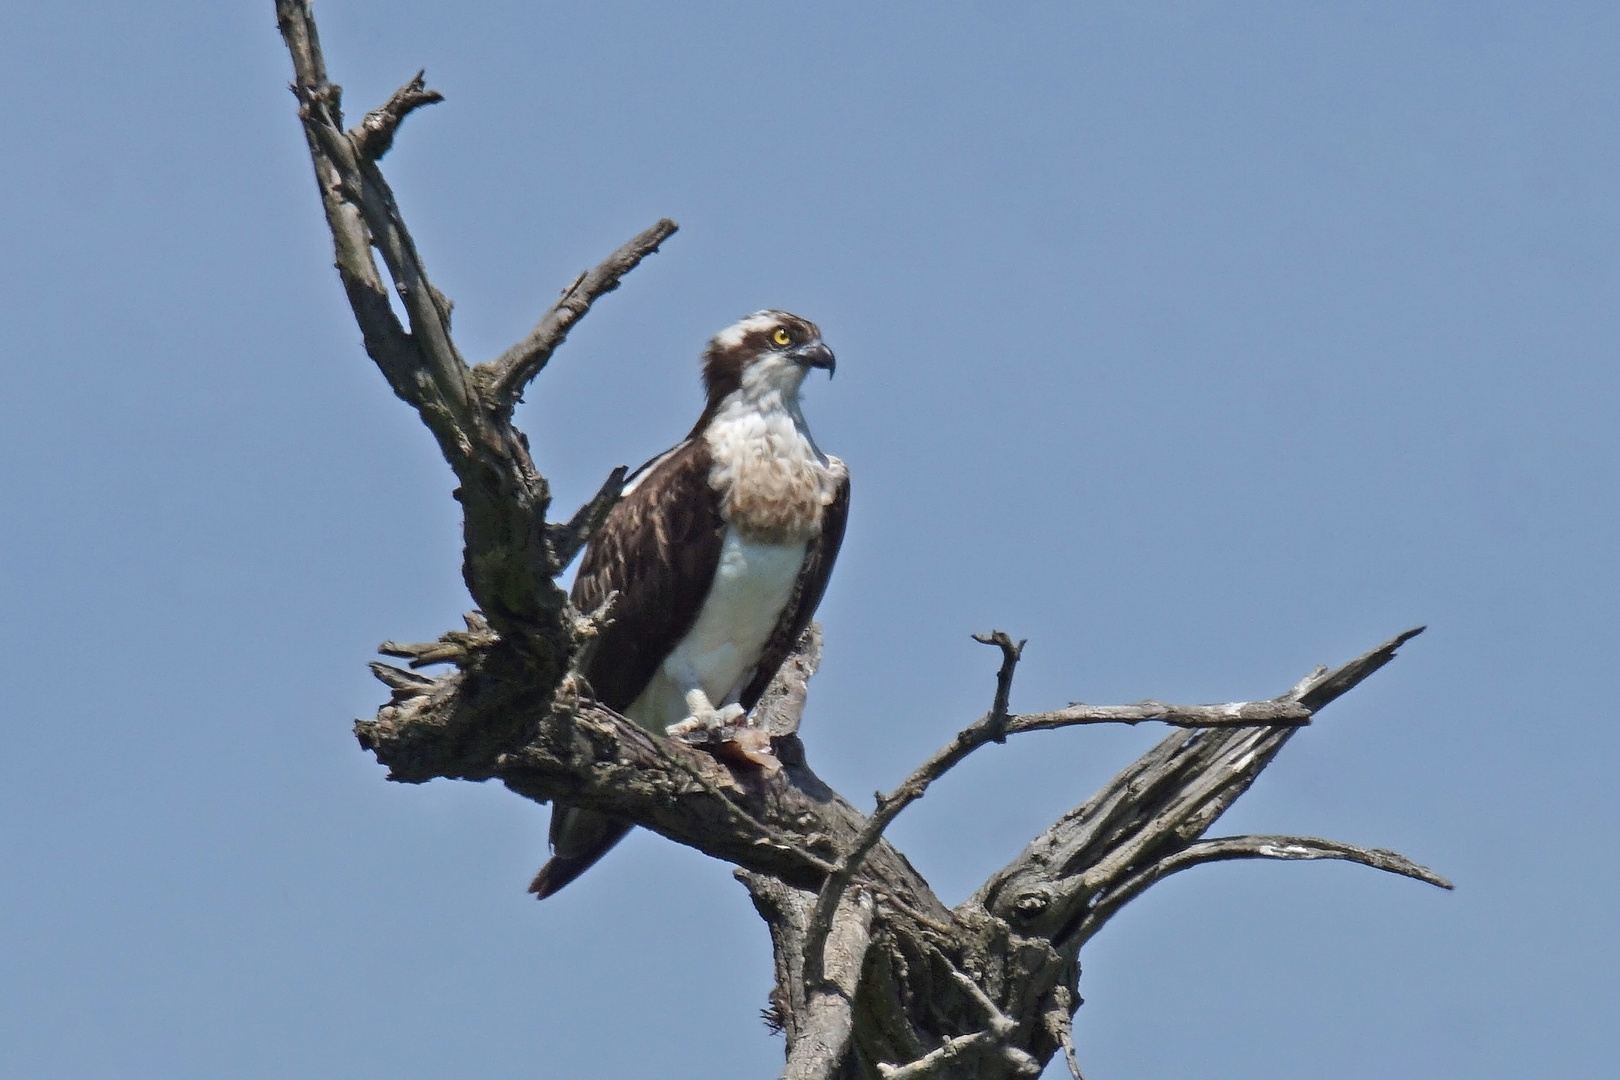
x=658, y=549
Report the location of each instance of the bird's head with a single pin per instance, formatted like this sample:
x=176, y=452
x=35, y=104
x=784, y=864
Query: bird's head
x=768, y=353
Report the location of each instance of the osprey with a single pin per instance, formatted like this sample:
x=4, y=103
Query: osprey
x=719, y=550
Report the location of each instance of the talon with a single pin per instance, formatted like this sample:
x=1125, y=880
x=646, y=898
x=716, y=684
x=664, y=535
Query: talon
x=685, y=727
x=712, y=721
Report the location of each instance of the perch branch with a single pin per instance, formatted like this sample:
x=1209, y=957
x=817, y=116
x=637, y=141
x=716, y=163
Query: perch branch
x=487, y=720
x=765, y=835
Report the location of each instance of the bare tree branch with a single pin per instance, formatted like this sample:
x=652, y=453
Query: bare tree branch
x=567, y=540
x=453, y=646
x=1223, y=848
x=1296, y=847
x=991, y=727
x=363, y=187
x=1233, y=714
x=765, y=835
x=995, y=725
x=1316, y=692
x=1154, y=808
x=998, y=1023
x=509, y=373
x=374, y=135
x=1010, y=655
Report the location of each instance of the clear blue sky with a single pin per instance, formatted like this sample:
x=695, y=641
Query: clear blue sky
x=1197, y=343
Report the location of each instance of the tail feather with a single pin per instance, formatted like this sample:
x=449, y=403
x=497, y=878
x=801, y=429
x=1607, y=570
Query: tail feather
x=578, y=839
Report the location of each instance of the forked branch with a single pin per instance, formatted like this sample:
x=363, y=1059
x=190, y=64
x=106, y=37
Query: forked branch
x=1153, y=810
x=992, y=727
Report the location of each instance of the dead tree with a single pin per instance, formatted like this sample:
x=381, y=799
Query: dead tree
x=875, y=977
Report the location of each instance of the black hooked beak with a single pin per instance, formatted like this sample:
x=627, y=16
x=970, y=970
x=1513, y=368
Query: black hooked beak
x=816, y=354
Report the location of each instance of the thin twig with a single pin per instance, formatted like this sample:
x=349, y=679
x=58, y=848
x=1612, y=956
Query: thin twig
x=509, y=373
x=937, y=1058
x=1010, y=655
x=987, y=728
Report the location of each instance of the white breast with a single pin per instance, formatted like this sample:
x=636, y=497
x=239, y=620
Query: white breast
x=774, y=483
x=752, y=585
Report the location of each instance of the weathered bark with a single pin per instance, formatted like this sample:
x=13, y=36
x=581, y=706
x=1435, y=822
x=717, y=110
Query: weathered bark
x=875, y=976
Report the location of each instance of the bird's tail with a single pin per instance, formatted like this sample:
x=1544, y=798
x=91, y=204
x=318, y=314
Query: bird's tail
x=578, y=839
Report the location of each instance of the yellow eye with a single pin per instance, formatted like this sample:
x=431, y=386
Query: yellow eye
x=781, y=336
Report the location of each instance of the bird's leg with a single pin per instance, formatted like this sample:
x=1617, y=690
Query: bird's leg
x=701, y=715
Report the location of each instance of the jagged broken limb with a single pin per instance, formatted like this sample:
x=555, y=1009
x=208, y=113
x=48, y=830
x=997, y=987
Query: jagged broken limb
x=897, y=985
